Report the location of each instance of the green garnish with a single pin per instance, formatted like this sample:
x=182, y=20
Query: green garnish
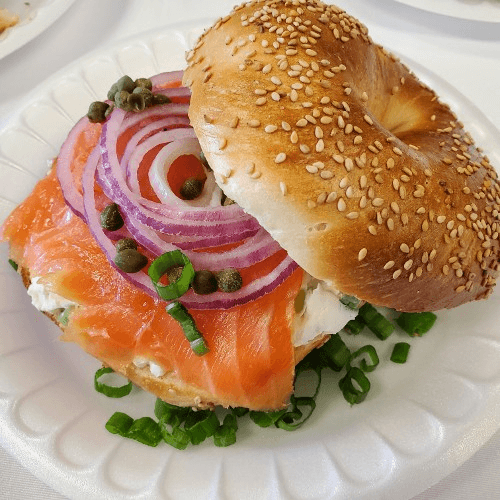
x=225, y=435
x=13, y=264
x=161, y=266
x=119, y=423
x=354, y=326
x=354, y=394
x=191, y=332
x=416, y=324
x=350, y=301
x=372, y=355
x=109, y=390
x=294, y=418
x=379, y=325
x=200, y=425
x=400, y=352
x=335, y=353
x=145, y=429
x=266, y=418
x=64, y=316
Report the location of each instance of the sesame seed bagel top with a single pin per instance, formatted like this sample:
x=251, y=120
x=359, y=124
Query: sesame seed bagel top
x=349, y=161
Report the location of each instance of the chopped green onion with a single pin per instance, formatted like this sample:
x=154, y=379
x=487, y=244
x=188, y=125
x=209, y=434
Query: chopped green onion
x=13, y=264
x=400, y=352
x=354, y=326
x=176, y=437
x=170, y=413
x=372, y=354
x=353, y=394
x=64, y=316
x=192, y=334
x=146, y=431
x=225, y=435
x=201, y=425
x=119, y=423
x=416, y=324
x=162, y=264
x=239, y=411
x=109, y=390
x=294, y=418
x=335, y=353
x=379, y=325
x=266, y=418
x=350, y=301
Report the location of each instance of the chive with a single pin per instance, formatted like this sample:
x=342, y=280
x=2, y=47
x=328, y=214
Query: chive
x=239, y=411
x=146, y=431
x=350, y=301
x=416, y=324
x=200, y=425
x=119, y=423
x=400, y=352
x=161, y=265
x=266, y=418
x=176, y=437
x=335, y=353
x=170, y=413
x=108, y=390
x=354, y=326
x=372, y=354
x=63, y=318
x=379, y=325
x=225, y=435
x=295, y=418
x=13, y=264
x=193, y=335
x=352, y=394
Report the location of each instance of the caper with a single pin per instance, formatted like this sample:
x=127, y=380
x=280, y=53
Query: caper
x=191, y=188
x=146, y=94
x=125, y=83
x=111, y=218
x=130, y=260
x=227, y=201
x=125, y=243
x=204, y=282
x=204, y=161
x=112, y=91
x=109, y=109
x=174, y=273
x=161, y=99
x=97, y=111
x=121, y=100
x=144, y=83
x=136, y=101
x=229, y=280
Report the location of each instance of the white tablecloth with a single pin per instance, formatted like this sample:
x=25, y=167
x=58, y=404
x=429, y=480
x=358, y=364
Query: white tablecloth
x=464, y=52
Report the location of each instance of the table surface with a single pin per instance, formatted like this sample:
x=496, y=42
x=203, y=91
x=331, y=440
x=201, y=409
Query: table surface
x=464, y=52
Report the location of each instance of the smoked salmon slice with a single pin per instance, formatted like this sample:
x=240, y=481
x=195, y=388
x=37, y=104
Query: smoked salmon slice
x=250, y=361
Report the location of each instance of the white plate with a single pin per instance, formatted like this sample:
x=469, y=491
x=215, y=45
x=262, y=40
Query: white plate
x=420, y=421
x=35, y=16
x=473, y=10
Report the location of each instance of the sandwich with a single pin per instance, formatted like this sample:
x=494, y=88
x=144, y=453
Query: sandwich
x=201, y=231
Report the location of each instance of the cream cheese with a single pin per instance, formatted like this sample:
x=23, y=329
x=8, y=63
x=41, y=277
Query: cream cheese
x=322, y=313
x=45, y=300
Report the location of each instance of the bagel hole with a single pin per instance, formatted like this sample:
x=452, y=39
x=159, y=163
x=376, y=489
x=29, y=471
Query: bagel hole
x=397, y=115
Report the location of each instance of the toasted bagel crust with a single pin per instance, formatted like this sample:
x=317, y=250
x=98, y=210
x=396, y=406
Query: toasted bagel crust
x=350, y=162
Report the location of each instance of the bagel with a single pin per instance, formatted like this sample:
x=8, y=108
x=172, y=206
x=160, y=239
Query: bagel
x=352, y=164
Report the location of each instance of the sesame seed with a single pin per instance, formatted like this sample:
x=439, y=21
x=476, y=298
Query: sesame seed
x=222, y=143
x=280, y=158
x=261, y=101
x=352, y=215
x=368, y=120
x=396, y=274
x=377, y=202
x=254, y=123
x=372, y=230
x=286, y=126
x=331, y=197
x=305, y=148
x=390, y=224
x=326, y=174
x=283, y=188
x=312, y=169
x=408, y=264
x=302, y=122
x=404, y=248
x=389, y=265
x=341, y=205
x=270, y=128
x=311, y=204
x=397, y=151
x=362, y=254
